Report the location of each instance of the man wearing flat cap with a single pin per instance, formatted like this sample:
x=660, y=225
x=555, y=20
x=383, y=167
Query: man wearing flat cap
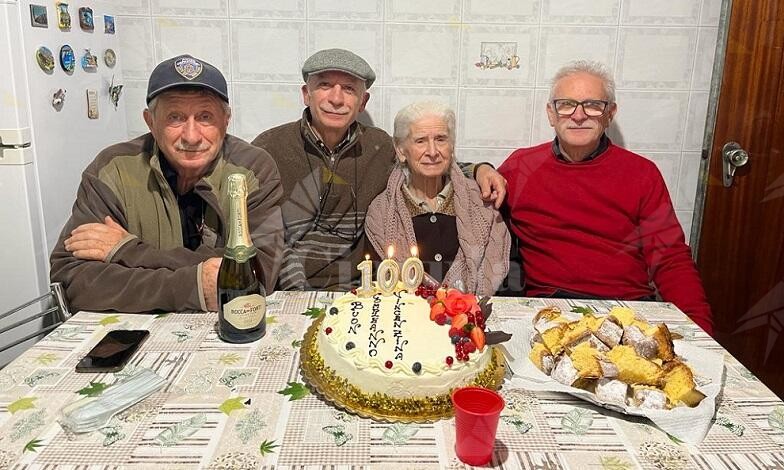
x=150, y=220
x=331, y=168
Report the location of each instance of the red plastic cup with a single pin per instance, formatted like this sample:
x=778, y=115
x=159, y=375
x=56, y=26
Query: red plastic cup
x=477, y=411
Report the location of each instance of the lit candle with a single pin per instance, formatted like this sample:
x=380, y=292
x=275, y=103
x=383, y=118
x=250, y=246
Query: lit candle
x=388, y=273
x=366, y=280
x=413, y=271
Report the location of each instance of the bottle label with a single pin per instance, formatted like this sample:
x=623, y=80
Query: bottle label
x=245, y=312
x=240, y=253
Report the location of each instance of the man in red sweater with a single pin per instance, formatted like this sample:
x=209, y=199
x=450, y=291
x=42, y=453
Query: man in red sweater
x=593, y=219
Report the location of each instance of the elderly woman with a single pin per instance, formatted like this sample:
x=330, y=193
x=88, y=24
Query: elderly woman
x=429, y=203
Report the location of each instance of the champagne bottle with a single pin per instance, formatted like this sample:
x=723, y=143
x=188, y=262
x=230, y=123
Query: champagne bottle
x=241, y=295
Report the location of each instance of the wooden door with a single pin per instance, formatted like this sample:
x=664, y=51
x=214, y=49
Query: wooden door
x=741, y=244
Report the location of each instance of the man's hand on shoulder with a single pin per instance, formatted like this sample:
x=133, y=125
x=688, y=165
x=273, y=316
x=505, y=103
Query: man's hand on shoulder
x=209, y=282
x=95, y=241
x=491, y=184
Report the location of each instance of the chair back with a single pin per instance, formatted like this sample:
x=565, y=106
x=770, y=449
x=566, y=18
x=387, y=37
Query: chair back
x=51, y=310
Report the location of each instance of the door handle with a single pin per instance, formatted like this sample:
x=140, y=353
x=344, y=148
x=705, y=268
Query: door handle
x=733, y=156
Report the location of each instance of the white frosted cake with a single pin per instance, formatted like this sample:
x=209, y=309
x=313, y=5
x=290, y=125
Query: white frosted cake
x=385, y=354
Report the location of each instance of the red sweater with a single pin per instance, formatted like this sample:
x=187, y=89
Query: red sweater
x=604, y=227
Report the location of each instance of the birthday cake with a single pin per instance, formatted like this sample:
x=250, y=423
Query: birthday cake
x=398, y=356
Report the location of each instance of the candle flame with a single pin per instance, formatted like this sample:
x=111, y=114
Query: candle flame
x=390, y=251
x=367, y=257
x=414, y=251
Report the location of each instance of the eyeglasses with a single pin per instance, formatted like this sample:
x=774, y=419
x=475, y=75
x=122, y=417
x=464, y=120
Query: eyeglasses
x=322, y=220
x=591, y=108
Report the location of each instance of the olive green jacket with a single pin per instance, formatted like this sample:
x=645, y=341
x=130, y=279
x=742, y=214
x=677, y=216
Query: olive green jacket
x=151, y=270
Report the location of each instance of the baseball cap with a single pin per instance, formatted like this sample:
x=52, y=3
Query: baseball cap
x=339, y=60
x=186, y=71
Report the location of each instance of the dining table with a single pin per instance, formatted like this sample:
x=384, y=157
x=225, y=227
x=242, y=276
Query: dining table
x=245, y=406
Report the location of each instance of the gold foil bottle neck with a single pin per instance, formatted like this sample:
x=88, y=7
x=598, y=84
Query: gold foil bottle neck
x=239, y=246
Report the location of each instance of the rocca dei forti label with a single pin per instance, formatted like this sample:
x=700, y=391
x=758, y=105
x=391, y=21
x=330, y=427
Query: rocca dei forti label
x=245, y=312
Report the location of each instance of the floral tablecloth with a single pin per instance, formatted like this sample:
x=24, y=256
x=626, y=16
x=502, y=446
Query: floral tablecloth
x=246, y=406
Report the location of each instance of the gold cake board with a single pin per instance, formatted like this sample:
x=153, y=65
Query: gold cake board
x=377, y=406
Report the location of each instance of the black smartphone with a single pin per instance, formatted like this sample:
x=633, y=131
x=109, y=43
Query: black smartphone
x=113, y=351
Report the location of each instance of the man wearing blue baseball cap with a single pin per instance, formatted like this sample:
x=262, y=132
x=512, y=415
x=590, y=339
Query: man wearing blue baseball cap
x=332, y=167
x=150, y=220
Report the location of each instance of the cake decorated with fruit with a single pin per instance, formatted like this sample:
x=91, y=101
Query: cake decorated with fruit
x=400, y=355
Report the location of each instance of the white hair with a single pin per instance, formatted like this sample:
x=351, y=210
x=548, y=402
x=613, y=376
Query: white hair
x=191, y=91
x=597, y=69
x=413, y=112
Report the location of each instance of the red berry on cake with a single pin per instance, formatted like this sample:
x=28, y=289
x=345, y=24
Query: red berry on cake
x=449, y=360
x=441, y=318
x=354, y=291
x=328, y=330
x=388, y=364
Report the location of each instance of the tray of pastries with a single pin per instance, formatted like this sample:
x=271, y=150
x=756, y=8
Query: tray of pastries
x=622, y=360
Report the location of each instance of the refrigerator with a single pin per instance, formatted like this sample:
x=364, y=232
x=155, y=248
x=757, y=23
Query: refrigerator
x=52, y=124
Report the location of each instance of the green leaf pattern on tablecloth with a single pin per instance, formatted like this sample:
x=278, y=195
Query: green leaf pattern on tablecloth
x=614, y=463
x=273, y=353
x=313, y=312
x=296, y=344
x=24, y=403
x=776, y=418
x=27, y=424
x=295, y=390
x=271, y=319
x=233, y=404
x=181, y=336
x=267, y=447
x=338, y=433
x=737, y=429
x=577, y=421
x=64, y=333
x=201, y=381
x=398, y=434
x=230, y=378
x=38, y=376
x=109, y=320
x=112, y=433
x=46, y=358
x=249, y=425
x=229, y=359
x=583, y=310
x=95, y=389
x=33, y=445
x=176, y=433
x=518, y=422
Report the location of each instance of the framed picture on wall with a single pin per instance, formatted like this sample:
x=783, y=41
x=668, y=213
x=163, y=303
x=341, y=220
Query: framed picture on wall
x=38, y=16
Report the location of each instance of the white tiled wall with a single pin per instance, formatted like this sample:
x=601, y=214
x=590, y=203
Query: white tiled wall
x=490, y=59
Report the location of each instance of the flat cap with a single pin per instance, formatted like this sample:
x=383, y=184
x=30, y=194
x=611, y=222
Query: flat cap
x=186, y=71
x=339, y=60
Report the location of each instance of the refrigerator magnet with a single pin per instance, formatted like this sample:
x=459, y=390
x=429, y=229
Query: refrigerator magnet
x=67, y=59
x=92, y=104
x=114, y=93
x=108, y=24
x=109, y=58
x=63, y=17
x=89, y=61
x=45, y=59
x=86, y=19
x=38, y=16
x=58, y=99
